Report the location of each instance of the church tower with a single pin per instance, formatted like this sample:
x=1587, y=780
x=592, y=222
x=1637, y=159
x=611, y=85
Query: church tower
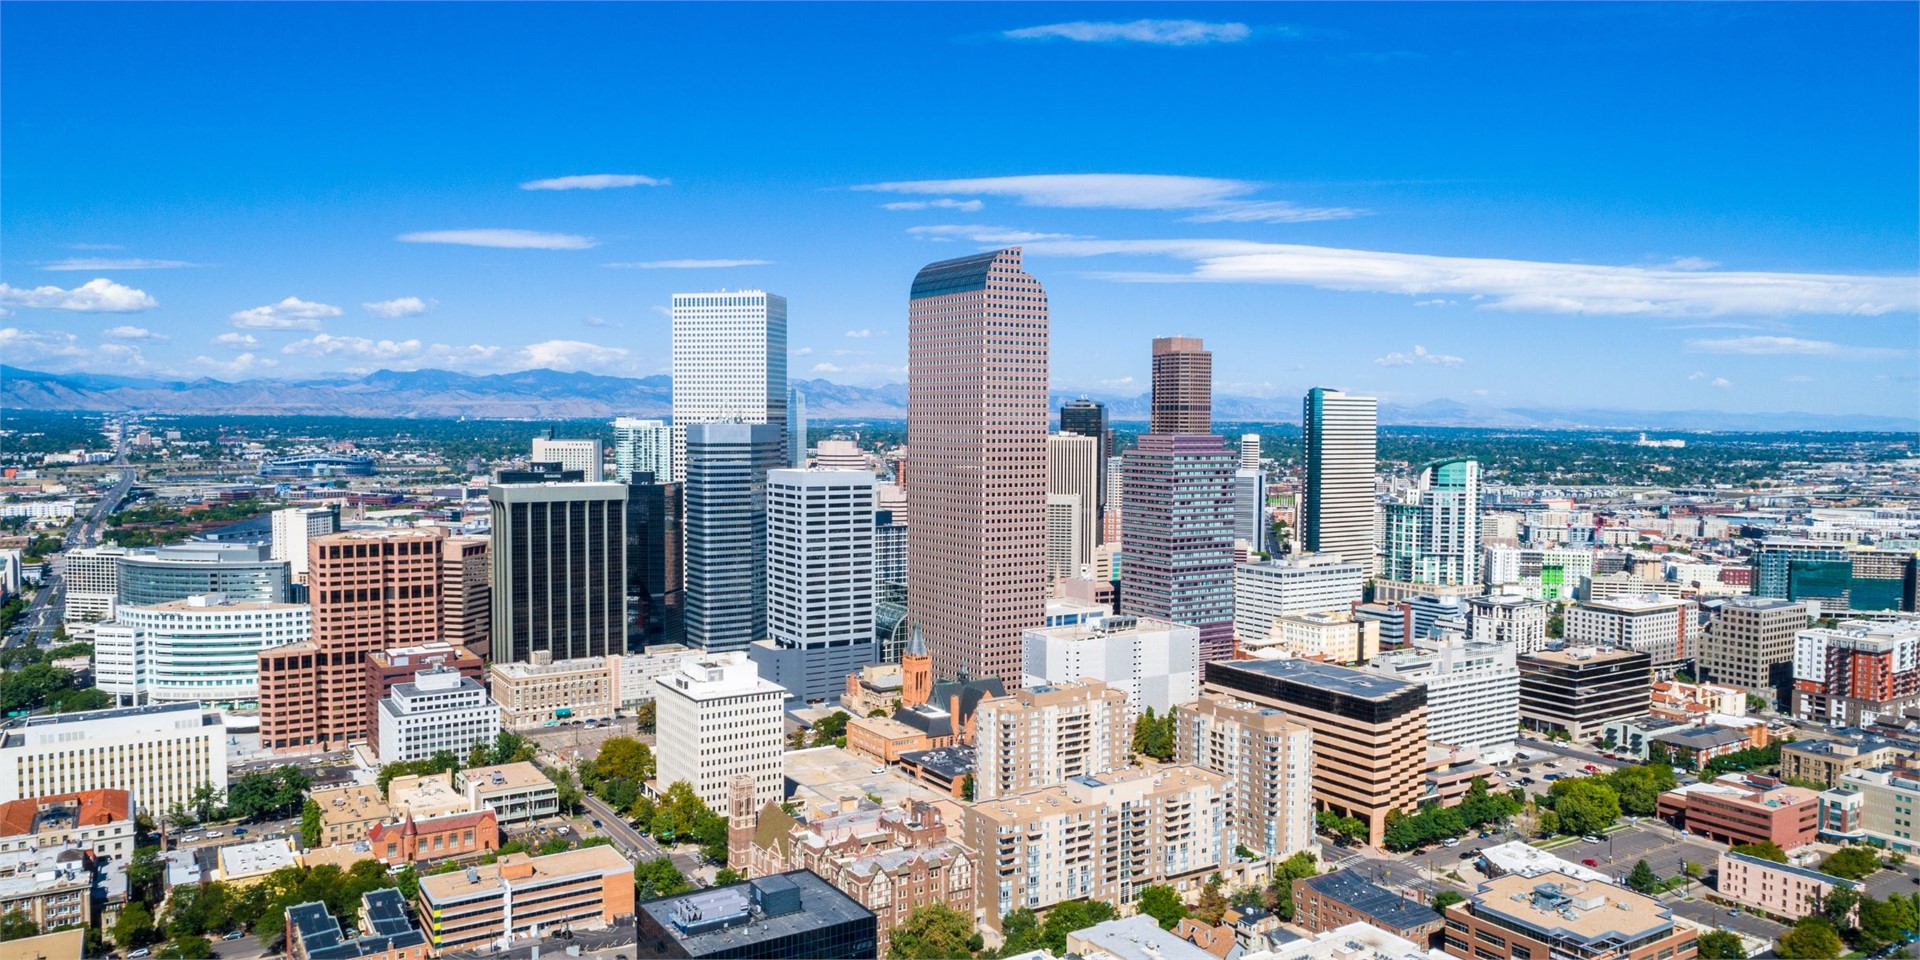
x=742, y=821
x=916, y=671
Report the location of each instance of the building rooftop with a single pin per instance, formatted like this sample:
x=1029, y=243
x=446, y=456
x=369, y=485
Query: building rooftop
x=1583, y=656
x=735, y=918
x=1805, y=872
x=65, y=811
x=24, y=872
x=506, y=776
x=1313, y=673
x=1635, y=603
x=950, y=762
x=1388, y=909
x=485, y=880
x=1518, y=856
x=1138, y=937
x=425, y=795
x=1559, y=908
x=384, y=913
x=1702, y=738
x=351, y=804
x=46, y=729
x=219, y=603
x=1355, y=941
x=244, y=860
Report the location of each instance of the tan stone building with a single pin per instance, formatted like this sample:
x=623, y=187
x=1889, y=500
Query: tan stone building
x=347, y=813
x=1041, y=736
x=1555, y=915
x=466, y=593
x=545, y=691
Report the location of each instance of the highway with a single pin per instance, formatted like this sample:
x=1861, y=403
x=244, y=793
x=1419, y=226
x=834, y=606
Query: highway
x=44, y=611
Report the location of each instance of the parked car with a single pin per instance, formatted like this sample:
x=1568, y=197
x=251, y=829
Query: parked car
x=1591, y=838
x=1591, y=862
x=239, y=831
x=1556, y=776
x=1469, y=854
x=1590, y=768
x=1484, y=834
x=1734, y=912
x=235, y=935
x=137, y=954
x=1451, y=842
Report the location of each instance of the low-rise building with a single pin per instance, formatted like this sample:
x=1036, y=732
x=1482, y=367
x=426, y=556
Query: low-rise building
x=1695, y=701
x=65, y=944
x=1138, y=937
x=452, y=836
x=945, y=769
x=1745, y=809
x=1336, y=899
x=1691, y=747
x=425, y=795
x=387, y=931
x=98, y=821
x=1579, y=690
x=884, y=739
x=1869, y=806
x=1780, y=889
x=546, y=692
x=1554, y=915
x=348, y=813
x=1518, y=856
x=515, y=792
x=874, y=687
x=52, y=887
x=1347, y=943
x=1332, y=636
x=244, y=864
x=795, y=915
x=1827, y=760
x=442, y=709
x=509, y=899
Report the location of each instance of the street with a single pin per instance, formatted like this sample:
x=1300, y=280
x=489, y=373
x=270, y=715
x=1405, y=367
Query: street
x=44, y=611
x=633, y=844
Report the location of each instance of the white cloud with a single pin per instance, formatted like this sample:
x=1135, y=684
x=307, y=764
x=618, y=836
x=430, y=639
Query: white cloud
x=1419, y=355
x=502, y=238
x=33, y=345
x=95, y=246
x=130, y=333
x=1721, y=382
x=1176, y=33
x=824, y=367
x=860, y=334
x=1436, y=302
x=327, y=345
x=399, y=307
x=801, y=352
x=243, y=363
x=687, y=264
x=570, y=355
x=108, y=263
x=244, y=340
x=1697, y=375
x=943, y=203
x=1272, y=211
x=94, y=296
x=1516, y=285
x=595, y=321
x=984, y=234
x=1692, y=263
x=1791, y=346
x=595, y=181
x=292, y=313
x=1216, y=200
x=662, y=310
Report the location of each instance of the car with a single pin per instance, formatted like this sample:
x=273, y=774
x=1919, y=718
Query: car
x=1469, y=854
x=1734, y=912
x=1590, y=768
x=1590, y=838
x=878, y=770
x=137, y=954
x=1553, y=764
x=1450, y=842
x=1503, y=773
x=1484, y=834
x=239, y=831
x=1556, y=776
x=1591, y=862
x=596, y=824
x=235, y=935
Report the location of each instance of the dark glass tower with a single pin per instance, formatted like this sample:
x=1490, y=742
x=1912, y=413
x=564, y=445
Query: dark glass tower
x=656, y=582
x=559, y=570
x=726, y=527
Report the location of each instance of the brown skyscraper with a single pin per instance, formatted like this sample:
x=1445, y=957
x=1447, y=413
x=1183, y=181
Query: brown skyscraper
x=977, y=433
x=466, y=595
x=1182, y=386
x=370, y=590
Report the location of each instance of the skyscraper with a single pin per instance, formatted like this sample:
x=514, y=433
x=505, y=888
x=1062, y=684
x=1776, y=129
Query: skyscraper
x=977, y=429
x=1336, y=513
x=641, y=446
x=1074, y=468
x=581, y=455
x=729, y=363
x=796, y=429
x=1250, y=451
x=293, y=527
x=559, y=570
x=656, y=585
x=1088, y=418
x=1177, y=539
x=1182, y=386
x=820, y=580
x=1250, y=509
x=726, y=528
x=1435, y=538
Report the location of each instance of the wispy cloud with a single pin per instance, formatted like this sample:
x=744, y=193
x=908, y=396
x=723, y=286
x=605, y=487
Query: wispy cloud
x=131, y=333
x=244, y=363
x=399, y=307
x=327, y=345
x=687, y=264
x=1173, y=33
x=1692, y=263
x=1515, y=285
x=1214, y=199
x=241, y=340
x=292, y=313
x=95, y=246
x=983, y=234
x=943, y=203
x=94, y=296
x=572, y=355
x=824, y=367
x=801, y=352
x=1791, y=347
x=860, y=334
x=1710, y=380
x=595, y=321
x=596, y=181
x=502, y=238
x=1419, y=355
x=110, y=263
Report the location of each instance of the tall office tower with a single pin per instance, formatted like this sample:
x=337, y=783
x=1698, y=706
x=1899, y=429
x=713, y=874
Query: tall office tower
x=726, y=528
x=656, y=581
x=977, y=426
x=466, y=593
x=729, y=364
x=1749, y=643
x=1336, y=513
x=1250, y=452
x=641, y=446
x=796, y=429
x=1435, y=539
x=559, y=570
x=1177, y=539
x=293, y=527
x=1088, y=418
x=890, y=547
x=719, y=720
x=581, y=455
x=370, y=590
x=242, y=571
x=1065, y=558
x=1182, y=386
x=820, y=581
x=1112, y=518
x=1074, y=467
x=1250, y=509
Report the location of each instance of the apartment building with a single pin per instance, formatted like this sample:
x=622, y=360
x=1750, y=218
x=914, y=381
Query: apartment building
x=1749, y=644
x=515, y=896
x=1333, y=900
x=1104, y=838
x=1510, y=618
x=1579, y=690
x=1660, y=627
x=1369, y=731
x=51, y=888
x=1856, y=673
x=1332, y=636
x=97, y=821
x=1269, y=760
x=1555, y=915
x=1473, y=689
x=1827, y=760
x=1873, y=806
x=1303, y=583
x=1043, y=735
x=1779, y=889
x=348, y=813
x=1155, y=663
x=159, y=754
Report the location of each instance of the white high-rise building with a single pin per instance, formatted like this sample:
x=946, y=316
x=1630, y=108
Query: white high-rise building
x=820, y=580
x=1517, y=621
x=581, y=455
x=1663, y=628
x=1064, y=557
x=1434, y=538
x=160, y=754
x=203, y=649
x=440, y=709
x=92, y=578
x=729, y=363
x=1110, y=519
x=1250, y=509
x=642, y=446
x=717, y=720
x=1473, y=688
x=1155, y=663
x=1073, y=468
x=293, y=527
x=1250, y=452
x=1303, y=583
x=1337, y=505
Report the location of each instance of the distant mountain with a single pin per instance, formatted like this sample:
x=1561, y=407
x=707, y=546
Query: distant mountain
x=550, y=394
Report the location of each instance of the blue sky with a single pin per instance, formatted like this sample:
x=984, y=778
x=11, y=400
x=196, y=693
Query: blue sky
x=1642, y=206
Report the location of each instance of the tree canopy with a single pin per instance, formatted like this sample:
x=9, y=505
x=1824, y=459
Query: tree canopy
x=934, y=932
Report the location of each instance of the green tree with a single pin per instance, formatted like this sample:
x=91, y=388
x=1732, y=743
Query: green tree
x=625, y=758
x=830, y=729
x=16, y=926
x=1445, y=899
x=1812, y=938
x=1853, y=863
x=204, y=802
x=1887, y=921
x=1154, y=736
x=310, y=824
x=1019, y=933
x=1765, y=850
x=145, y=870
x=568, y=792
x=1643, y=879
x=1162, y=903
x=727, y=875
x=1721, y=945
x=658, y=878
x=934, y=932
x=966, y=788
x=644, y=718
x=1212, y=903
x=134, y=928
x=1064, y=918
x=1585, y=805
x=1297, y=867
x=187, y=947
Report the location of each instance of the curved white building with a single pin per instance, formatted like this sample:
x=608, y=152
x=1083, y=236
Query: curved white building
x=203, y=649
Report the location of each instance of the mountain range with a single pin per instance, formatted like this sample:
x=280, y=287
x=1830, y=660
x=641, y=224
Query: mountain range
x=551, y=395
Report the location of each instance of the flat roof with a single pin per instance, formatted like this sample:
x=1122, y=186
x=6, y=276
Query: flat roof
x=1313, y=673
x=1789, y=868
x=602, y=860
x=1593, y=913
x=505, y=776
x=1698, y=737
x=1139, y=937
x=722, y=921
x=1590, y=655
x=1357, y=893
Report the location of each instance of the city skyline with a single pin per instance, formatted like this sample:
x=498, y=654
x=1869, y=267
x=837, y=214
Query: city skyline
x=1488, y=242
